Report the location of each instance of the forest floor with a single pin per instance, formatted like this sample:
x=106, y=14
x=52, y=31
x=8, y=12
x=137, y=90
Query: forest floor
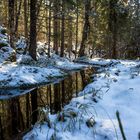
x=92, y=115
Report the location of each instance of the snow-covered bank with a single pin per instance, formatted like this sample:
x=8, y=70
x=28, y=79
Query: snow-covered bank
x=96, y=61
x=64, y=63
x=92, y=115
x=13, y=75
x=28, y=73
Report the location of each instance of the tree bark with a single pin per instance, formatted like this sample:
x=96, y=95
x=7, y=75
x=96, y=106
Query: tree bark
x=113, y=26
x=11, y=23
x=17, y=16
x=62, y=29
x=49, y=26
x=86, y=28
x=77, y=19
x=33, y=31
x=56, y=26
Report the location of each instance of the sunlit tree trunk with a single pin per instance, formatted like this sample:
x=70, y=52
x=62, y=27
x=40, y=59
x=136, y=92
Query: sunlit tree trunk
x=86, y=28
x=77, y=20
x=5, y=12
x=49, y=27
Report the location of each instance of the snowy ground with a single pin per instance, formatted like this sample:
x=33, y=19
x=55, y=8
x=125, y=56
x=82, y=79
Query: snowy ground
x=12, y=75
x=92, y=115
x=27, y=72
x=96, y=61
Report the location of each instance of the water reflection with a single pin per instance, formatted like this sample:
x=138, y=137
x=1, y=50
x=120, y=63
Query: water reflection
x=17, y=114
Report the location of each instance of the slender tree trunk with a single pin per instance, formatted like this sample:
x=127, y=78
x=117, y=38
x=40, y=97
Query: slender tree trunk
x=77, y=19
x=62, y=29
x=25, y=19
x=6, y=12
x=70, y=36
x=113, y=26
x=94, y=31
x=11, y=22
x=17, y=16
x=46, y=23
x=33, y=31
x=85, y=29
x=49, y=26
x=114, y=55
x=56, y=26
x=26, y=23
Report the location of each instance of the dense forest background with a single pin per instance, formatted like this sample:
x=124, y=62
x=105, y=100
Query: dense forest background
x=101, y=28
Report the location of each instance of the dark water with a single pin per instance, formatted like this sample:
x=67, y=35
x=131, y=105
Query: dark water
x=18, y=113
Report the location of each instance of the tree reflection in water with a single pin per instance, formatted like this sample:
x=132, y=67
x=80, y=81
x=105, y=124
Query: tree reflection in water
x=18, y=113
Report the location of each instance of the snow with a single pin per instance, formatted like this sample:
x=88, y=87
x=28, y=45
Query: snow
x=13, y=75
x=21, y=45
x=114, y=89
x=26, y=72
x=64, y=63
x=96, y=61
x=5, y=51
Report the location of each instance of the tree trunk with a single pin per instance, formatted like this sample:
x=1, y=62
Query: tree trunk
x=77, y=19
x=11, y=23
x=56, y=26
x=113, y=26
x=62, y=29
x=70, y=30
x=86, y=28
x=33, y=32
x=26, y=24
x=17, y=16
x=25, y=19
x=49, y=26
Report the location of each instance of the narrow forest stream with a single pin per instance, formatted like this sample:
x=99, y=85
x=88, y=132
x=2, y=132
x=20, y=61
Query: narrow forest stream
x=18, y=113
